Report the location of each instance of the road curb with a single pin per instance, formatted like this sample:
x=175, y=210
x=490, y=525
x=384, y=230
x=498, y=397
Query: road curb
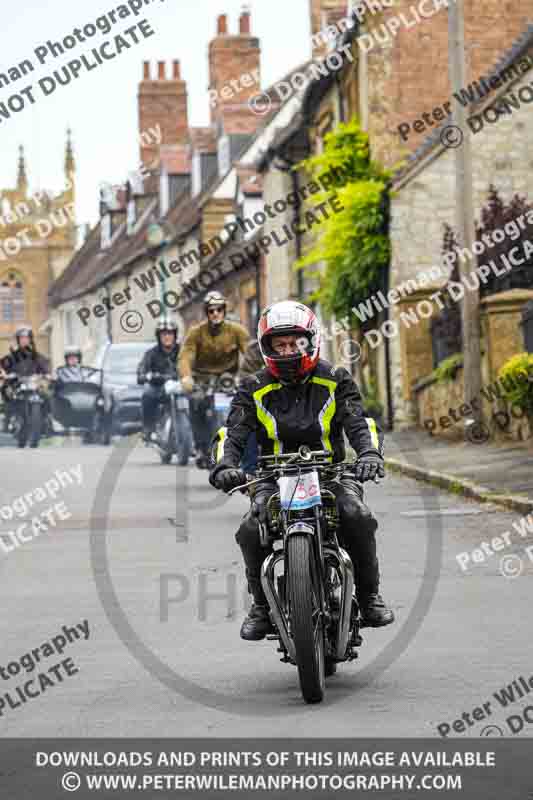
x=453, y=483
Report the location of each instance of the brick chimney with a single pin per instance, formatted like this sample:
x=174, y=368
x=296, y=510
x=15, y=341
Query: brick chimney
x=162, y=107
x=233, y=57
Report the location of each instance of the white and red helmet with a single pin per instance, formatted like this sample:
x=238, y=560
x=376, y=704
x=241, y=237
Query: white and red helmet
x=289, y=319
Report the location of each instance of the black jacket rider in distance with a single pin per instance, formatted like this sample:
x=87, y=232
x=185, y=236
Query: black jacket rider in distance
x=158, y=360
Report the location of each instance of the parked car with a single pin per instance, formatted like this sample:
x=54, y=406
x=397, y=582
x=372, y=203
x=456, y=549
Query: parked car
x=123, y=397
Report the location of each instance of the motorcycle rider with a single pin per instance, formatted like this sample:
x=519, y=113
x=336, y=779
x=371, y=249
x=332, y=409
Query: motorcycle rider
x=210, y=349
x=157, y=362
x=73, y=370
x=23, y=361
x=301, y=399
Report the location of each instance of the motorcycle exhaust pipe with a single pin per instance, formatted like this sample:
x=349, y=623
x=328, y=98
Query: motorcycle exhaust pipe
x=346, y=571
x=267, y=582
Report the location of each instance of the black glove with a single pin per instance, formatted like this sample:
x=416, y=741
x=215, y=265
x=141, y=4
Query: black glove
x=228, y=478
x=368, y=466
x=141, y=379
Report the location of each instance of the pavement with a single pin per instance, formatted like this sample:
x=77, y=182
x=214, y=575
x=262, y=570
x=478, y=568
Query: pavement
x=163, y=655
x=501, y=474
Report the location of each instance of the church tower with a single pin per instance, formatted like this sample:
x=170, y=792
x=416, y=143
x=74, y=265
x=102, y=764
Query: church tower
x=37, y=241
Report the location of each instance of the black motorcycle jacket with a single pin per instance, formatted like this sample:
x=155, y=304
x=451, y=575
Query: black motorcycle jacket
x=158, y=360
x=316, y=413
x=24, y=362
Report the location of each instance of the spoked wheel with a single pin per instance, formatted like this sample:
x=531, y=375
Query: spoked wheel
x=306, y=619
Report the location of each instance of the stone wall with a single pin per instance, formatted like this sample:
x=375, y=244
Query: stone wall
x=442, y=412
x=424, y=201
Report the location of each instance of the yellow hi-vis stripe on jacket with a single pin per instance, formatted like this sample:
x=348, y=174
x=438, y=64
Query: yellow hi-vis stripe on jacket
x=266, y=418
x=221, y=433
x=373, y=431
x=328, y=411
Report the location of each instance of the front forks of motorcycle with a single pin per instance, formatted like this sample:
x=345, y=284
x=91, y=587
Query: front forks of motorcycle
x=344, y=645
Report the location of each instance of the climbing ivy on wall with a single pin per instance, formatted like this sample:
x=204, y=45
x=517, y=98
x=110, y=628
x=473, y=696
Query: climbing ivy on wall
x=354, y=242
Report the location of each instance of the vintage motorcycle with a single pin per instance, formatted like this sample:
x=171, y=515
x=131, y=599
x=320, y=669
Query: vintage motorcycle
x=308, y=579
x=28, y=415
x=173, y=432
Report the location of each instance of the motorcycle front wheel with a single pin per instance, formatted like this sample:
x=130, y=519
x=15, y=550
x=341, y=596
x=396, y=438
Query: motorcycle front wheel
x=35, y=424
x=307, y=625
x=182, y=436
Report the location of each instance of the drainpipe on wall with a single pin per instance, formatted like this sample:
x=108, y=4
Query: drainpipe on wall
x=386, y=287
x=108, y=315
x=297, y=219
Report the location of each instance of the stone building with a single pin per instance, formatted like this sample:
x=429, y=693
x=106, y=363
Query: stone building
x=398, y=73
x=37, y=240
x=425, y=200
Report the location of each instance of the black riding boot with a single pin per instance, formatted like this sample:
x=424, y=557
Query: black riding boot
x=257, y=624
x=358, y=537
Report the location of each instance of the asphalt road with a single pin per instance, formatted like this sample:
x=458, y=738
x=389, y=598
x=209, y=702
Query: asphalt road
x=164, y=657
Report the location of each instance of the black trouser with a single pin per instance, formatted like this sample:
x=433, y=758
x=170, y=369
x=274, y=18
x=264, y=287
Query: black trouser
x=356, y=534
x=152, y=396
x=205, y=422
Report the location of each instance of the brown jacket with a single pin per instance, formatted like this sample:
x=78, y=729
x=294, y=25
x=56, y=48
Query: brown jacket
x=205, y=354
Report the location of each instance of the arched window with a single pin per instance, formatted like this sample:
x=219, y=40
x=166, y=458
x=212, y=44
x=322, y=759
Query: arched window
x=11, y=298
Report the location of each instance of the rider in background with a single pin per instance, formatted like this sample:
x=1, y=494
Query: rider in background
x=160, y=360
x=297, y=400
x=23, y=361
x=72, y=372
x=210, y=349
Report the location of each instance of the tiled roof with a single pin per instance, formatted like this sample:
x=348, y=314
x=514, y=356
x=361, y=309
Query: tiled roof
x=91, y=266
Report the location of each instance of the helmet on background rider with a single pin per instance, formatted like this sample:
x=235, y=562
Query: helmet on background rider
x=168, y=325
x=71, y=352
x=215, y=300
x=289, y=319
x=24, y=330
